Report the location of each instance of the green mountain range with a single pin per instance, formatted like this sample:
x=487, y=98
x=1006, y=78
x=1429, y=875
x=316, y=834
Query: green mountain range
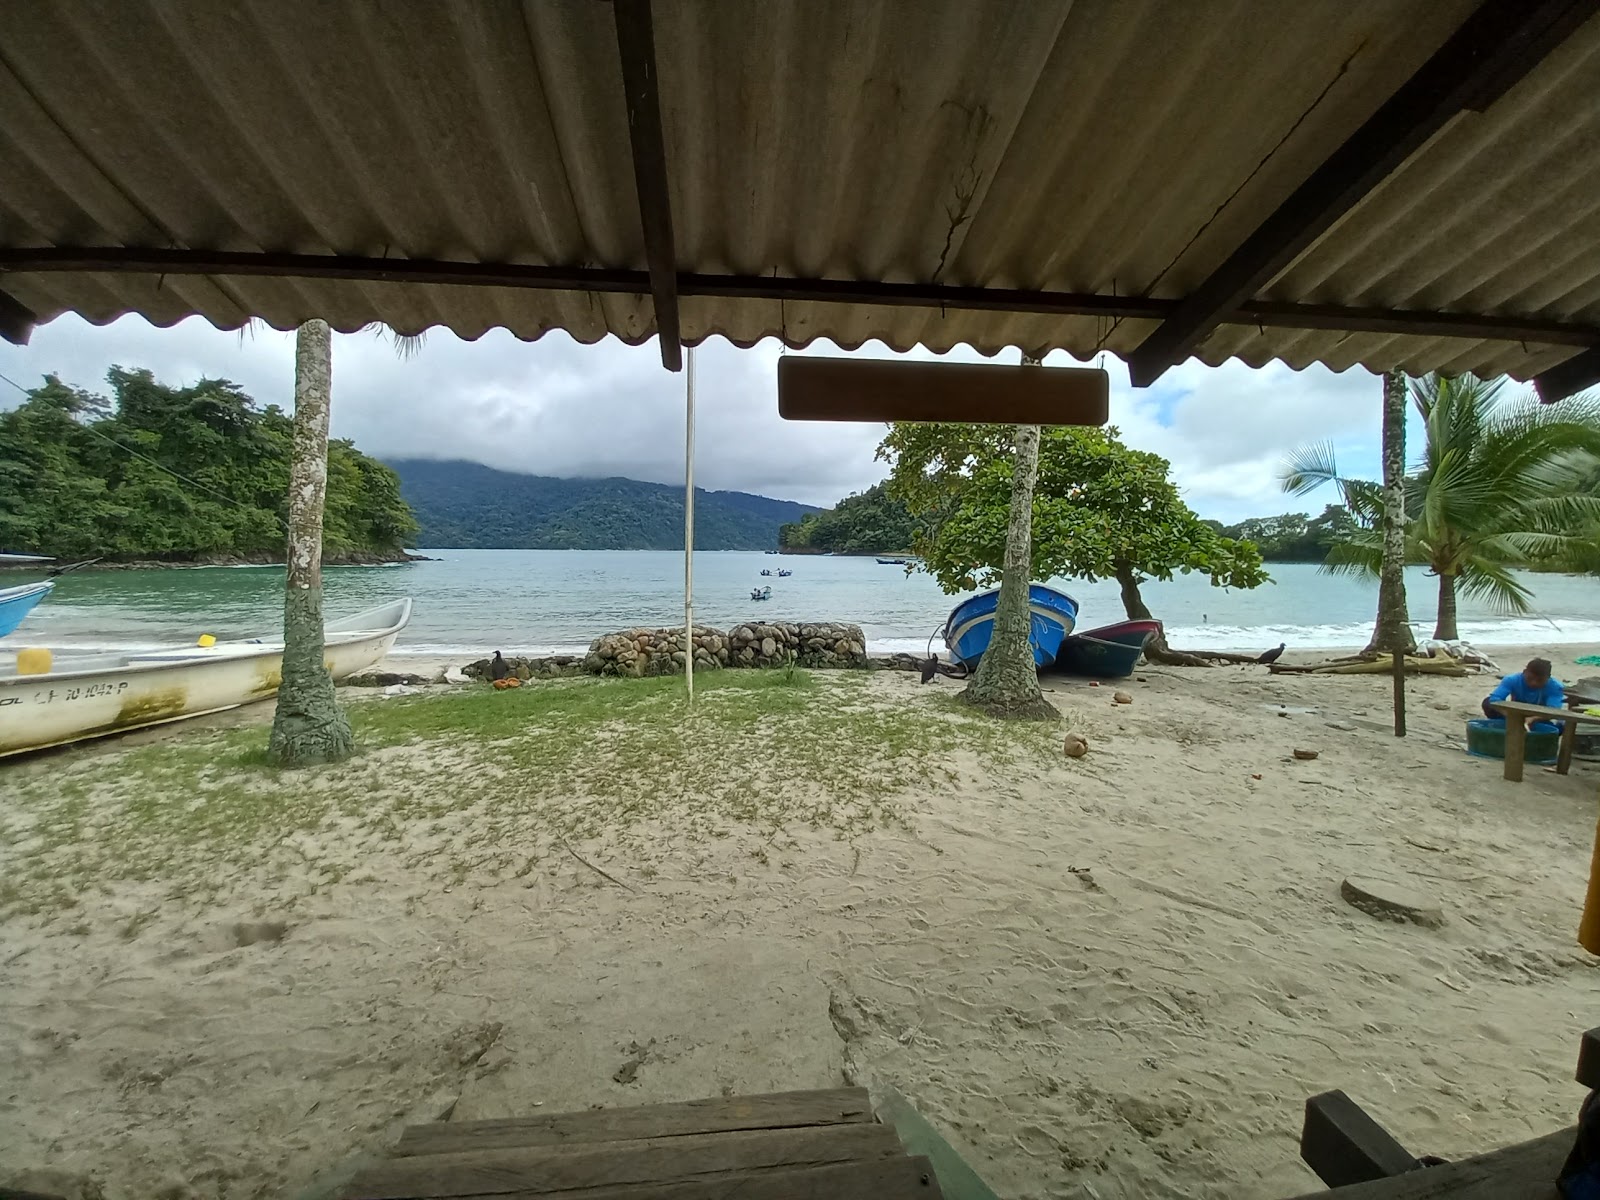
x=467, y=505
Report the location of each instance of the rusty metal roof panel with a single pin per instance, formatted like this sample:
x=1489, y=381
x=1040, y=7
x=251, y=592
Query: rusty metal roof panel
x=1117, y=147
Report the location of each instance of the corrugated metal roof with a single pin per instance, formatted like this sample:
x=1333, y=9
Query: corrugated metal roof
x=1108, y=146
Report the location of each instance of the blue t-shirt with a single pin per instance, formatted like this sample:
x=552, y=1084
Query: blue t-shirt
x=1515, y=687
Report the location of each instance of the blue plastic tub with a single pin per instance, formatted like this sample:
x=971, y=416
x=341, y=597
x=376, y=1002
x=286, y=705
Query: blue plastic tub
x=1487, y=739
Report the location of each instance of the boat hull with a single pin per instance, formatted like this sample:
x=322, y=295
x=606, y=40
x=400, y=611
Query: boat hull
x=1051, y=613
x=99, y=698
x=17, y=602
x=1110, y=652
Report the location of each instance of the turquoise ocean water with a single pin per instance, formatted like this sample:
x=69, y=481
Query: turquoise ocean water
x=533, y=601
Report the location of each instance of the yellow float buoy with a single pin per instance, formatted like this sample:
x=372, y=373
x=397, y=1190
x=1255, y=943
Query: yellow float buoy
x=207, y=640
x=33, y=660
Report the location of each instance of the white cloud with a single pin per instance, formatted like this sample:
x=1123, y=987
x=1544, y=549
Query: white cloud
x=559, y=408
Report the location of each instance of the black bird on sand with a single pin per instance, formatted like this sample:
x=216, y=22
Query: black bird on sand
x=1272, y=656
x=930, y=667
x=499, y=668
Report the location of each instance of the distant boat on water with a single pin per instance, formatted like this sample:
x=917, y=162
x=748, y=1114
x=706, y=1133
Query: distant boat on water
x=762, y=593
x=971, y=624
x=895, y=562
x=1109, y=652
x=17, y=602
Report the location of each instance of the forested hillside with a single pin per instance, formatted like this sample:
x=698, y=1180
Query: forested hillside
x=466, y=505
x=867, y=523
x=190, y=474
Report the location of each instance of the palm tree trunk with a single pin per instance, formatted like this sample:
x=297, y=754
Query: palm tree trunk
x=1393, y=630
x=308, y=727
x=1444, y=629
x=1007, y=682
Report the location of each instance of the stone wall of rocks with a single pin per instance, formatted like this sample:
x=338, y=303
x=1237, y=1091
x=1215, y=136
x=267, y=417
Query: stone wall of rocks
x=639, y=652
x=553, y=667
x=811, y=644
x=655, y=652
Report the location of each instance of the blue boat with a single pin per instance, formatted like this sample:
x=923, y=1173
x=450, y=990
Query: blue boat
x=971, y=624
x=18, y=602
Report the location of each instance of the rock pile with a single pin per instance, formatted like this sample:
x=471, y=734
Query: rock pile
x=530, y=668
x=655, y=652
x=812, y=644
x=637, y=652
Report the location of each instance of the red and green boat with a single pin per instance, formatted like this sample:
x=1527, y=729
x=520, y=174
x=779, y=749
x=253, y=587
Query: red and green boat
x=1110, y=652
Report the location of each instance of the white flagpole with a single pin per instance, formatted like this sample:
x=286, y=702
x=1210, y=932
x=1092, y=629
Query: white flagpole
x=688, y=525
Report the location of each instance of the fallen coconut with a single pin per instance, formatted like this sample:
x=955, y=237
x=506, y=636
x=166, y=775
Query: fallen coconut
x=1122, y=698
x=1075, y=745
x=1305, y=755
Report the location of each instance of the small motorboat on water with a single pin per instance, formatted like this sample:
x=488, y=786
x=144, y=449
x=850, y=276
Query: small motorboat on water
x=17, y=602
x=971, y=624
x=761, y=593
x=894, y=562
x=782, y=574
x=765, y=572
x=93, y=696
x=1109, y=652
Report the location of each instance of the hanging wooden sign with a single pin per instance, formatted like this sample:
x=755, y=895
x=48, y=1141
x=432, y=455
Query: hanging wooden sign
x=861, y=389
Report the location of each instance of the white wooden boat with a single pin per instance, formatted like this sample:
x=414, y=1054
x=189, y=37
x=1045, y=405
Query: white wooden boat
x=91, y=697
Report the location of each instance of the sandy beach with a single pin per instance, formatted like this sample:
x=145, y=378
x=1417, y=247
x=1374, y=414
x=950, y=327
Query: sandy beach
x=1111, y=977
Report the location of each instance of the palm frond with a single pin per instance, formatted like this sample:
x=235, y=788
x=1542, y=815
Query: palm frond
x=1308, y=468
x=1493, y=584
x=1360, y=554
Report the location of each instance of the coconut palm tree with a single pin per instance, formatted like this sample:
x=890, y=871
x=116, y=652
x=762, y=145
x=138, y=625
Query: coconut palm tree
x=1497, y=486
x=308, y=726
x=1007, y=680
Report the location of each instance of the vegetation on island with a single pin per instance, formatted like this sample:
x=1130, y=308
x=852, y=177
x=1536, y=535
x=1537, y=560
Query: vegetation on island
x=1498, y=485
x=1292, y=537
x=869, y=522
x=1101, y=510
x=177, y=474
x=468, y=505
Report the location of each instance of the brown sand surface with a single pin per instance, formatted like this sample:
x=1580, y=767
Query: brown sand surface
x=1111, y=977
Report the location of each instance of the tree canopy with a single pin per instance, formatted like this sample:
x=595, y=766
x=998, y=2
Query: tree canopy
x=1100, y=510
x=869, y=522
x=1293, y=537
x=186, y=474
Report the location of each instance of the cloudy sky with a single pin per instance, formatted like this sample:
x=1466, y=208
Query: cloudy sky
x=555, y=407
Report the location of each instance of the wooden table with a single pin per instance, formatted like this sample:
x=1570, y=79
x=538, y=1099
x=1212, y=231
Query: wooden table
x=1516, y=714
x=824, y=1145
x=1526, y=1171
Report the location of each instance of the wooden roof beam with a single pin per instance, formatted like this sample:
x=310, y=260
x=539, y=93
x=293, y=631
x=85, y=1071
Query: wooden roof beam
x=637, y=49
x=16, y=321
x=1499, y=43
x=1562, y=380
x=120, y=260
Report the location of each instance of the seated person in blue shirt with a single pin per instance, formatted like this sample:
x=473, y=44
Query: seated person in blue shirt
x=1533, y=685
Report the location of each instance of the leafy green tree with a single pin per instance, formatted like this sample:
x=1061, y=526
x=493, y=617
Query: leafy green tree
x=1101, y=510
x=871, y=522
x=178, y=474
x=1498, y=485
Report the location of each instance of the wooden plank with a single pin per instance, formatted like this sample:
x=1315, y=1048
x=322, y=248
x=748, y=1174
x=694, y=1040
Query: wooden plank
x=1569, y=740
x=883, y=1179
x=689, y=1158
x=1498, y=43
x=1525, y=1171
x=1544, y=712
x=1341, y=1142
x=776, y=1110
x=957, y=1179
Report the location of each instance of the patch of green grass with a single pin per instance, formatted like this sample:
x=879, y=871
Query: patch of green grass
x=479, y=784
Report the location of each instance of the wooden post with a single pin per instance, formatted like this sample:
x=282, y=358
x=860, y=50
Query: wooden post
x=1516, y=745
x=1589, y=926
x=1399, y=694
